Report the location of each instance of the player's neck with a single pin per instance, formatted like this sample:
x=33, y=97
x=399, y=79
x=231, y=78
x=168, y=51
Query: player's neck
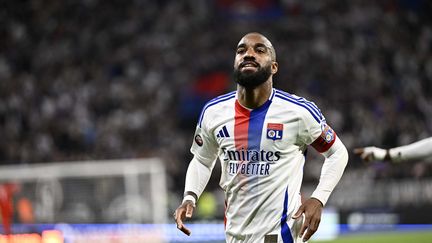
x=254, y=97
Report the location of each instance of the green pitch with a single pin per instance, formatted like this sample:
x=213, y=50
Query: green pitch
x=396, y=237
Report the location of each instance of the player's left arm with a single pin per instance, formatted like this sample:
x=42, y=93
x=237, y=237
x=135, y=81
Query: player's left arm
x=336, y=158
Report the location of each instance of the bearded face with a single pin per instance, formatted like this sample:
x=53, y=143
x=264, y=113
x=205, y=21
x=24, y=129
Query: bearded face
x=250, y=74
x=255, y=61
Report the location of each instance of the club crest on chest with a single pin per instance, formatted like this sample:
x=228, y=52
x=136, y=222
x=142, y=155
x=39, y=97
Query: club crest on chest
x=274, y=131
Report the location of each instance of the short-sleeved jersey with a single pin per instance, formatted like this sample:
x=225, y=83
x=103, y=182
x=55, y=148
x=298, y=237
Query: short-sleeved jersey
x=262, y=154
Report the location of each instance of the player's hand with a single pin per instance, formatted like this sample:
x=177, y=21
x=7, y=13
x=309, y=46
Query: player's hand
x=184, y=211
x=371, y=153
x=312, y=209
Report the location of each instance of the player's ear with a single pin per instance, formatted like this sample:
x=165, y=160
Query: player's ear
x=274, y=67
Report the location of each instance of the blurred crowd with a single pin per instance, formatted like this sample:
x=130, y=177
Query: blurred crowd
x=94, y=79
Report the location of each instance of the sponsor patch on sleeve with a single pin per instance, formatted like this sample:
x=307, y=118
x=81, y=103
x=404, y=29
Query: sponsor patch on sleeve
x=326, y=140
x=199, y=140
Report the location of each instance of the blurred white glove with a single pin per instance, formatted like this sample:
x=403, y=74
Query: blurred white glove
x=371, y=153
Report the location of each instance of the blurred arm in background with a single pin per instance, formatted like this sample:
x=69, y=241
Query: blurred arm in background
x=417, y=150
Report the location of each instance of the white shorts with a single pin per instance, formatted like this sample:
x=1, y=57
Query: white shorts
x=273, y=237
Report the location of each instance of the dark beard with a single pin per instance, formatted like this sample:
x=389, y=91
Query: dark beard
x=252, y=80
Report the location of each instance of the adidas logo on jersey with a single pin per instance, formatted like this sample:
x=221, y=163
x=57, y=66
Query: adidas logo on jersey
x=223, y=133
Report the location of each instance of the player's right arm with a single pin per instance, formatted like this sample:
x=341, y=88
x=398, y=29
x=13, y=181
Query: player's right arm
x=205, y=151
x=197, y=177
x=417, y=150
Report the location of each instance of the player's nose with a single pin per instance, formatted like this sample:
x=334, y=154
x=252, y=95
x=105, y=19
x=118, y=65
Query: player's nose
x=249, y=56
x=249, y=53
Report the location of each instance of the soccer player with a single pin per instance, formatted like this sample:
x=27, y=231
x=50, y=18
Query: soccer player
x=418, y=150
x=260, y=135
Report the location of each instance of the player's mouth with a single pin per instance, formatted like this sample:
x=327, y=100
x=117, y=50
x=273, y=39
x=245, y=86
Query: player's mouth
x=248, y=65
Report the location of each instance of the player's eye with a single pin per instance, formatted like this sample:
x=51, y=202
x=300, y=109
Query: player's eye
x=241, y=50
x=260, y=50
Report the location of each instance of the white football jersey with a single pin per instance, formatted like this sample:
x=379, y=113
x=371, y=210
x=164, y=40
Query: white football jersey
x=262, y=154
